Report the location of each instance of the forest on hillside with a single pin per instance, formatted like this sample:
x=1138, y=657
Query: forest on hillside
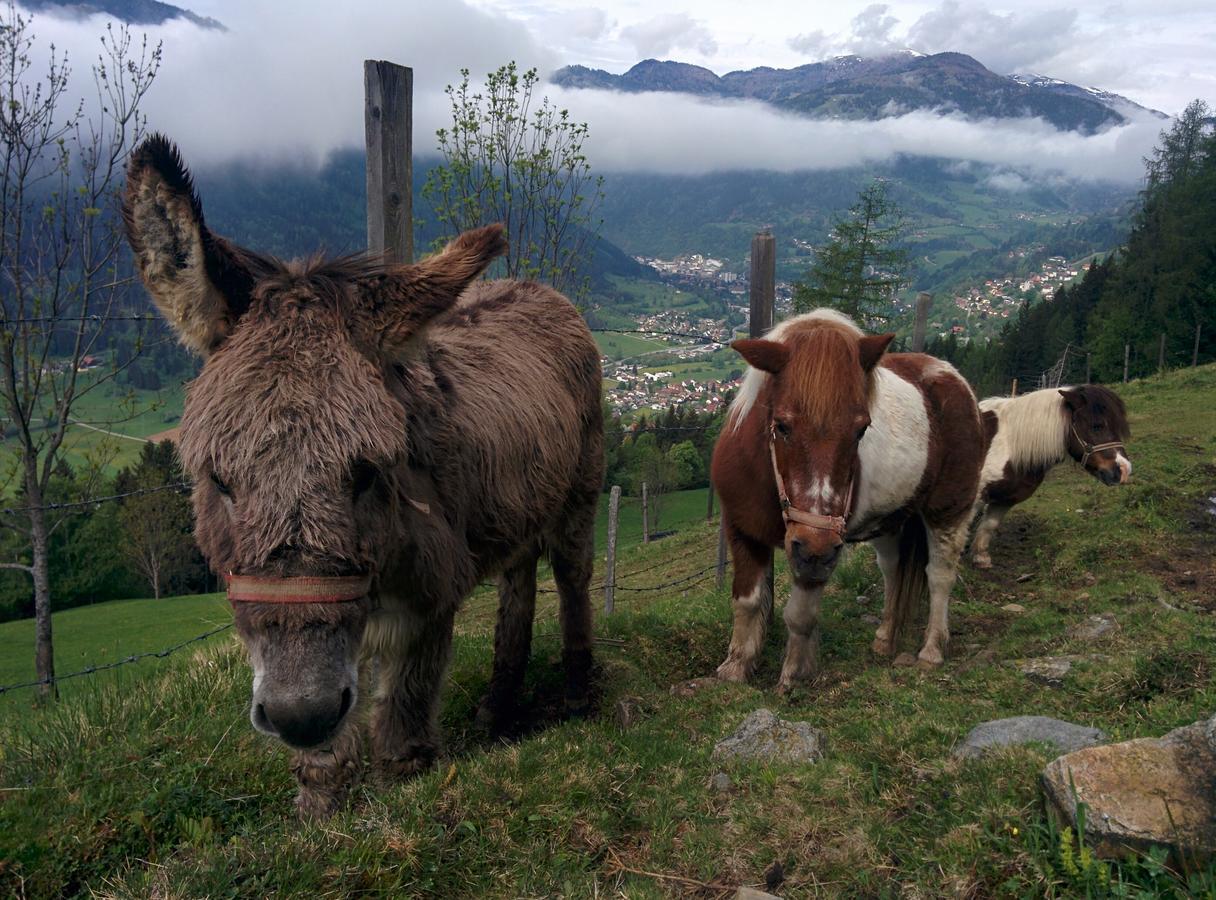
x=1154, y=299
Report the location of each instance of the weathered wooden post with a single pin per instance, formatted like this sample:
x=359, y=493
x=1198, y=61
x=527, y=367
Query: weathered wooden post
x=760, y=320
x=645, y=515
x=614, y=515
x=923, y=301
x=1013, y=390
x=1195, y=350
x=1088, y=368
x=1161, y=354
x=721, y=573
x=709, y=506
x=1127, y=353
x=388, y=119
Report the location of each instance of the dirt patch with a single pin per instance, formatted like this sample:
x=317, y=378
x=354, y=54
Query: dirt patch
x=1013, y=550
x=1189, y=570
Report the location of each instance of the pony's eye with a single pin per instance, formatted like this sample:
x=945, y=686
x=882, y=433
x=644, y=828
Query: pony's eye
x=861, y=431
x=220, y=486
x=782, y=428
x=362, y=477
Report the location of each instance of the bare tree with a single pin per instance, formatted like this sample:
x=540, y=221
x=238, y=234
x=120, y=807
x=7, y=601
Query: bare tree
x=60, y=261
x=156, y=536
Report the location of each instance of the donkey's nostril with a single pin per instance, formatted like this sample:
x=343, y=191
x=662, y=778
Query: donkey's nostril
x=260, y=720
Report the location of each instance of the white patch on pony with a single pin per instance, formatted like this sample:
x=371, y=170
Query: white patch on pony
x=895, y=448
x=753, y=379
x=1125, y=467
x=1032, y=433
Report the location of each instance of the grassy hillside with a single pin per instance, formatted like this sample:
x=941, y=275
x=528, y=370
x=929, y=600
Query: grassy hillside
x=158, y=786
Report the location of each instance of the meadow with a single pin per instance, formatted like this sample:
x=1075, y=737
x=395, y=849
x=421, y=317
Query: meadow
x=156, y=785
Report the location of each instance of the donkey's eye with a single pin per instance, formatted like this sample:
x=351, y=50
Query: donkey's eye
x=362, y=476
x=220, y=486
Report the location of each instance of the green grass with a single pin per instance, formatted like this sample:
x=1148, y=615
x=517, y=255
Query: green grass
x=158, y=786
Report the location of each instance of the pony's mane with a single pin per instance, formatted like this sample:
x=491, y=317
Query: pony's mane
x=1034, y=427
x=755, y=379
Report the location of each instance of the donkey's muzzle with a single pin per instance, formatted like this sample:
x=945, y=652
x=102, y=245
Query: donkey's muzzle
x=303, y=722
x=809, y=566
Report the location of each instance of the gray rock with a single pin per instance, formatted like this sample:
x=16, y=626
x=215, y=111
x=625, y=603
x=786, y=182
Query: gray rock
x=870, y=619
x=1142, y=793
x=1014, y=608
x=764, y=736
x=720, y=783
x=1065, y=737
x=1048, y=670
x=1094, y=628
x=746, y=893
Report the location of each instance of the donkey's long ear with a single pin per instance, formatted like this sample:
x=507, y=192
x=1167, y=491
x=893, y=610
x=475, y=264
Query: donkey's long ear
x=405, y=298
x=871, y=348
x=199, y=281
x=768, y=356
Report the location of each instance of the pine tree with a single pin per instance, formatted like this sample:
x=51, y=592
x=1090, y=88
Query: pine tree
x=862, y=266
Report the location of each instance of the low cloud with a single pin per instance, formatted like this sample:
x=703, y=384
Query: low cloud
x=1008, y=43
x=663, y=33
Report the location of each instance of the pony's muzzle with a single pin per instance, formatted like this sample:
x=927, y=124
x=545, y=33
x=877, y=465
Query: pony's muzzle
x=302, y=721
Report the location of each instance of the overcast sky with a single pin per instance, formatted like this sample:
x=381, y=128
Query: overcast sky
x=285, y=80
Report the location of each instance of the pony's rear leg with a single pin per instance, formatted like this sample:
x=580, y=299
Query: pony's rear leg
x=990, y=521
x=512, y=642
x=573, y=557
x=886, y=549
x=753, y=607
x=415, y=650
x=945, y=549
x=802, y=645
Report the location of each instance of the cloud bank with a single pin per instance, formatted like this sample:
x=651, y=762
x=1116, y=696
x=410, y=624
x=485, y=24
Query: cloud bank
x=288, y=87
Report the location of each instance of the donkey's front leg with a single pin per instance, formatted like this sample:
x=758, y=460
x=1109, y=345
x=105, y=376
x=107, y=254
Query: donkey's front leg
x=802, y=646
x=753, y=606
x=326, y=776
x=405, y=733
x=945, y=549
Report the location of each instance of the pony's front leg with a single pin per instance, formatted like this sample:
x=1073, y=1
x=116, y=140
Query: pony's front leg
x=414, y=656
x=802, y=645
x=753, y=606
x=945, y=549
x=990, y=521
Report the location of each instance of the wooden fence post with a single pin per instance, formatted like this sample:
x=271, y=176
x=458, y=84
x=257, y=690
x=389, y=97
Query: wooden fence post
x=614, y=515
x=1013, y=390
x=709, y=506
x=763, y=292
x=388, y=121
x=1127, y=352
x=1195, y=351
x=1088, y=369
x=645, y=515
x=1161, y=355
x=721, y=552
x=923, y=301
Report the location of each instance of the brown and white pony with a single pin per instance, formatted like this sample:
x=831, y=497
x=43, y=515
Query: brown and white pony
x=367, y=443
x=1035, y=432
x=831, y=440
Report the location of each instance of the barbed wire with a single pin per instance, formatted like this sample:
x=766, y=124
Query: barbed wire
x=127, y=660
x=97, y=317
x=80, y=504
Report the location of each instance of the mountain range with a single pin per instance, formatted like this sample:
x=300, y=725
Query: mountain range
x=854, y=87
x=134, y=12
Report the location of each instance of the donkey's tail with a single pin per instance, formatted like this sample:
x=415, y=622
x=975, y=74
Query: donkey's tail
x=911, y=582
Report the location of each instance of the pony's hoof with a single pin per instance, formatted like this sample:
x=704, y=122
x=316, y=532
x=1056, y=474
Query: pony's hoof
x=928, y=663
x=883, y=647
x=982, y=562
x=733, y=670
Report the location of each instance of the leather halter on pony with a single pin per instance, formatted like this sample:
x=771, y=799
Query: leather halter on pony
x=838, y=525
x=319, y=589
x=1091, y=449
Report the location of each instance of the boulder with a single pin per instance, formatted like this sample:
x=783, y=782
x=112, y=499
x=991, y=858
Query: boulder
x=1094, y=628
x=1142, y=793
x=1064, y=737
x=1048, y=670
x=764, y=736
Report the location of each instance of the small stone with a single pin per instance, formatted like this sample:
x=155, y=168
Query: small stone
x=629, y=711
x=746, y=893
x=1089, y=579
x=688, y=688
x=1065, y=737
x=1083, y=597
x=720, y=783
x=1094, y=628
x=764, y=736
x=870, y=619
x=1014, y=608
x=862, y=599
x=1141, y=793
x=1022, y=579
x=904, y=660
x=1048, y=670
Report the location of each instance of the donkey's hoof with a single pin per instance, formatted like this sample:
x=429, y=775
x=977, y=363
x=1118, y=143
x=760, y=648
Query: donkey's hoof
x=733, y=670
x=313, y=805
x=417, y=758
x=578, y=707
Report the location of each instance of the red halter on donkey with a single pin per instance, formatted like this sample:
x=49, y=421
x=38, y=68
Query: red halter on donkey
x=832, y=440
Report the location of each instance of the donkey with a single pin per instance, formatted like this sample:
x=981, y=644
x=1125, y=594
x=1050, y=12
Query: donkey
x=1035, y=432
x=832, y=440
x=367, y=442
